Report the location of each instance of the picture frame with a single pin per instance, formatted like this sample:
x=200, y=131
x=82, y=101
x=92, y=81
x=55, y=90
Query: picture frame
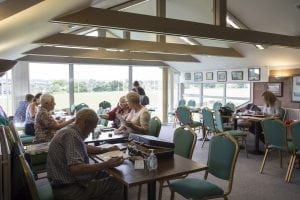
x=254, y=74
x=187, y=76
x=276, y=88
x=198, y=77
x=209, y=76
x=237, y=75
x=222, y=76
x=296, y=89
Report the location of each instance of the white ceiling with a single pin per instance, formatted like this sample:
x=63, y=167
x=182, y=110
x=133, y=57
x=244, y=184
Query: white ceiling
x=277, y=16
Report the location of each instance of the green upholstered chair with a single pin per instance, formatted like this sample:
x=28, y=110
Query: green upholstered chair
x=217, y=105
x=191, y=103
x=43, y=192
x=295, y=130
x=154, y=126
x=230, y=105
x=80, y=107
x=222, y=156
x=184, y=117
x=282, y=114
x=181, y=102
x=237, y=134
x=275, y=138
x=72, y=109
x=208, y=124
x=105, y=105
x=184, y=140
x=102, y=121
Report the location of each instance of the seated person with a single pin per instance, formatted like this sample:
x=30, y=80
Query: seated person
x=68, y=169
x=137, y=121
x=45, y=125
x=272, y=104
x=20, y=113
x=121, y=110
x=30, y=114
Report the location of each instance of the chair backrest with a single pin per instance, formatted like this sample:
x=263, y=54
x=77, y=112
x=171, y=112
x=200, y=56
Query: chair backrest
x=219, y=122
x=181, y=102
x=29, y=179
x=217, y=105
x=104, y=105
x=222, y=156
x=275, y=133
x=102, y=121
x=72, y=109
x=208, y=119
x=282, y=113
x=230, y=105
x=80, y=107
x=295, y=129
x=184, y=115
x=154, y=126
x=184, y=140
x=191, y=103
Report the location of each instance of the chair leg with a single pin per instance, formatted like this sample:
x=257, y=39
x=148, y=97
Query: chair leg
x=161, y=187
x=291, y=169
x=139, y=192
x=225, y=198
x=172, y=195
x=280, y=156
x=245, y=143
x=264, y=160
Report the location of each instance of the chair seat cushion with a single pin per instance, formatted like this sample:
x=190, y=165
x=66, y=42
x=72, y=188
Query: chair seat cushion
x=290, y=146
x=192, y=188
x=45, y=192
x=26, y=139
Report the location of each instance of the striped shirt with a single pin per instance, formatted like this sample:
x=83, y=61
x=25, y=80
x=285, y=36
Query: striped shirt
x=66, y=148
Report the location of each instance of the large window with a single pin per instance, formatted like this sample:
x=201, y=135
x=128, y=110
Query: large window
x=192, y=92
x=6, y=93
x=52, y=79
x=150, y=79
x=93, y=84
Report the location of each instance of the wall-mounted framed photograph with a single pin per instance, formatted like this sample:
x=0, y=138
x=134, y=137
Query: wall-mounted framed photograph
x=222, y=76
x=198, y=77
x=209, y=76
x=237, y=75
x=296, y=89
x=275, y=88
x=253, y=74
x=187, y=76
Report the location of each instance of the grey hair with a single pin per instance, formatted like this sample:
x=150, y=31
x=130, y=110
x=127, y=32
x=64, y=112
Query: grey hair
x=86, y=114
x=133, y=97
x=46, y=99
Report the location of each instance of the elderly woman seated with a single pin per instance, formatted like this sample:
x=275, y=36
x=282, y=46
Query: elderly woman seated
x=45, y=124
x=137, y=120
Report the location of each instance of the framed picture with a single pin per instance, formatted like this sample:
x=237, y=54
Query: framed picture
x=254, y=74
x=187, y=76
x=222, y=76
x=296, y=89
x=237, y=75
x=275, y=88
x=198, y=77
x=209, y=75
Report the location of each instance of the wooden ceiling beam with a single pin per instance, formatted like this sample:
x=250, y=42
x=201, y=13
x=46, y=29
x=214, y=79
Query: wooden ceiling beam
x=11, y=7
x=102, y=54
x=136, y=22
x=71, y=60
x=126, y=4
x=136, y=45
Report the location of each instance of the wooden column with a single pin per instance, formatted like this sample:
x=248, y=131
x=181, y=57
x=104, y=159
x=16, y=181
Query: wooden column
x=220, y=9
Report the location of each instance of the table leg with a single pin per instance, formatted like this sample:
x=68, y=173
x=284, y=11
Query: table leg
x=257, y=133
x=152, y=190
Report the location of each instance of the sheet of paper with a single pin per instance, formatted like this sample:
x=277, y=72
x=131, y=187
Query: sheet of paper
x=139, y=164
x=108, y=155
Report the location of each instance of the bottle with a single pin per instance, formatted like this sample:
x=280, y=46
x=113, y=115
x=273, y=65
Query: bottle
x=152, y=161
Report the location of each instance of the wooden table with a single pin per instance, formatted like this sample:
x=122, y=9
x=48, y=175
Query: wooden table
x=167, y=168
x=257, y=131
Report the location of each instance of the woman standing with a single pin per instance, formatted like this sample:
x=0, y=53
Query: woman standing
x=31, y=111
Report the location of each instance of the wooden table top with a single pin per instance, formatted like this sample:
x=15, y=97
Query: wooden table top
x=167, y=168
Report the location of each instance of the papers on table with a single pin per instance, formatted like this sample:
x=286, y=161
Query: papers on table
x=111, y=154
x=37, y=148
